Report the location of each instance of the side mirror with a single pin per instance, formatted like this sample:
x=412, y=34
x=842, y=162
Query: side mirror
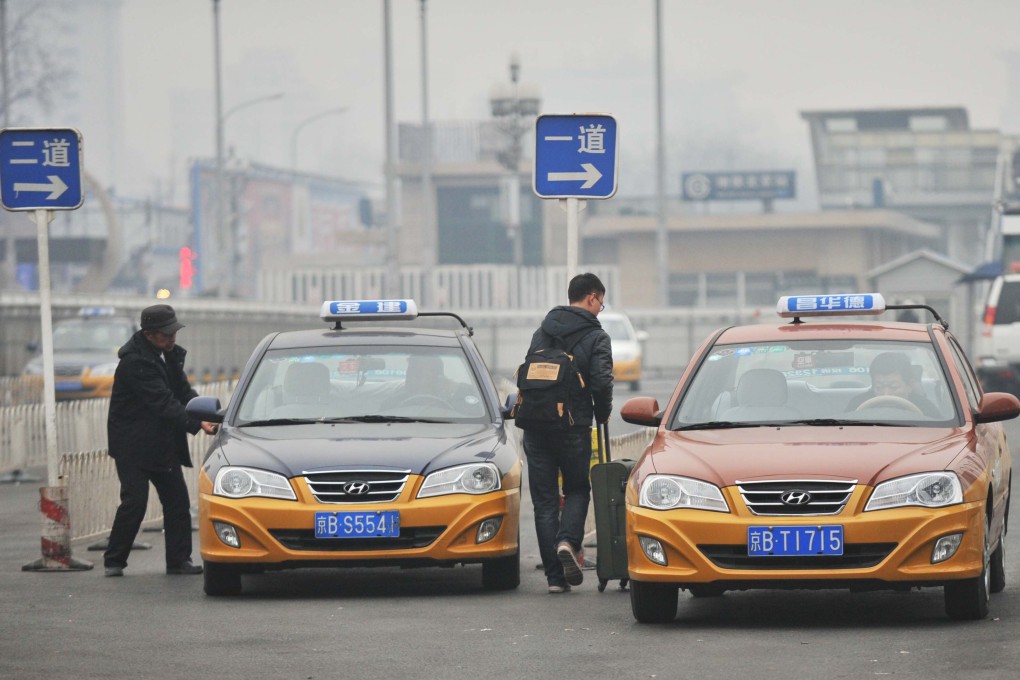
x=996, y=406
x=642, y=336
x=206, y=408
x=642, y=411
x=507, y=409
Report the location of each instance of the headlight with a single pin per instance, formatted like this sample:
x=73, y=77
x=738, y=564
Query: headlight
x=665, y=492
x=239, y=482
x=475, y=478
x=104, y=369
x=928, y=490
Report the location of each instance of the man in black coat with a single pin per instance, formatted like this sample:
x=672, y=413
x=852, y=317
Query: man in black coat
x=147, y=430
x=553, y=453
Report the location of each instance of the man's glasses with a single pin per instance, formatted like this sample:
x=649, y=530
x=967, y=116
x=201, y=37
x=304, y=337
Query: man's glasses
x=602, y=305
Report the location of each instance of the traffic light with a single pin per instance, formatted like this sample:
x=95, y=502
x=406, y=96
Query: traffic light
x=187, y=268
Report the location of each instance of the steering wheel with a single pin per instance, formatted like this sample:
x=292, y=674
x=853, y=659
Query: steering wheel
x=890, y=401
x=424, y=399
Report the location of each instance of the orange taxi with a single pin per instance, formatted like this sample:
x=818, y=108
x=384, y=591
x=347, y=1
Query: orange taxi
x=359, y=446
x=828, y=452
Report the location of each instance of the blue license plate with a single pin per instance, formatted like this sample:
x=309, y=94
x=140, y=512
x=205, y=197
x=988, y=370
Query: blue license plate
x=360, y=524
x=778, y=541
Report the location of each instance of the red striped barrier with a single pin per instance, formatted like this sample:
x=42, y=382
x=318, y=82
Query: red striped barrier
x=56, y=534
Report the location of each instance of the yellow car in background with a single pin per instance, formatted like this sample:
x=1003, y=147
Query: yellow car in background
x=627, y=349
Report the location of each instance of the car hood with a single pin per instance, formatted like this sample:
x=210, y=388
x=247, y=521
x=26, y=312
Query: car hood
x=865, y=454
x=292, y=450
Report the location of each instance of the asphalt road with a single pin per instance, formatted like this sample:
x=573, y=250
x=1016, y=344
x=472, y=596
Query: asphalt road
x=438, y=623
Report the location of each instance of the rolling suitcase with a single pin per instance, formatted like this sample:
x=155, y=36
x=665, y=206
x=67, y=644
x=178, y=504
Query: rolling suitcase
x=608, y=487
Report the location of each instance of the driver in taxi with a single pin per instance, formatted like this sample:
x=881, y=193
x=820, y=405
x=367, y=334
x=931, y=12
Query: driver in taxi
x=426, y=379
x=892, y=375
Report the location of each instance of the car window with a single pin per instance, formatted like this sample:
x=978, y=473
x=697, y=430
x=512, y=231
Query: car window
x=1007, y=309
x=816, y=379
x=357, y=381
x=617, y=328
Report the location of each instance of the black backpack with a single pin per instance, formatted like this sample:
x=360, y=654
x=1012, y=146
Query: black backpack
x=548, y=382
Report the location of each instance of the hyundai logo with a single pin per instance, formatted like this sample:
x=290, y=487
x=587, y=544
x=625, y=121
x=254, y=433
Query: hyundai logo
x=796, y=497
x=356, y=488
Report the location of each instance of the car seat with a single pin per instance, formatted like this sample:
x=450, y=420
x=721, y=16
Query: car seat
x=761, y=395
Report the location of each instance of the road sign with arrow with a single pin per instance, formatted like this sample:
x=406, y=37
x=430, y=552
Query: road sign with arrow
x=40, y=169
x=575, y=156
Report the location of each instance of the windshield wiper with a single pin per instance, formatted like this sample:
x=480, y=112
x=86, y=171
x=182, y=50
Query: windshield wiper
x=278, y=421
x=720, y=425
x=379, y=419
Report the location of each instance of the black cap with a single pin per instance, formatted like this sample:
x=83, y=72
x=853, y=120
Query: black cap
x=160, y=318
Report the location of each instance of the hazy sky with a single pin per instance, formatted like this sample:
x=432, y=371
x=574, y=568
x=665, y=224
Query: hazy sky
x=737, y=73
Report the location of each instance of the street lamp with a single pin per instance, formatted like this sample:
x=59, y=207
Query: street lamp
x=221, y=229
x=301, y=126
x=514, y=108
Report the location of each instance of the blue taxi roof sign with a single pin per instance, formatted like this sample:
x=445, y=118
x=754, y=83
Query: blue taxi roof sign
x=96, y=311
x=848, y=304
x=368, y=310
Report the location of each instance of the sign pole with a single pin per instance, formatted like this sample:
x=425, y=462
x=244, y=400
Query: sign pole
x=572, y=210
x=42, y=219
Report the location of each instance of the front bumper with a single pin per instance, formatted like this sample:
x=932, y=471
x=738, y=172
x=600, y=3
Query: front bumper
x=627, y=371
x=883, y=549
x=278, y=534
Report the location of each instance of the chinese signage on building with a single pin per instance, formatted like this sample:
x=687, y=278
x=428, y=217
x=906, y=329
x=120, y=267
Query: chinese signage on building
x=739, y=186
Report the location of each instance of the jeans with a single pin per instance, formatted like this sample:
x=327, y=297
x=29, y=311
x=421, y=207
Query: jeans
x=551, y=454
x=134, y=497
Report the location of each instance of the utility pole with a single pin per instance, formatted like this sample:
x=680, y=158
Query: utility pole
x=392, y=219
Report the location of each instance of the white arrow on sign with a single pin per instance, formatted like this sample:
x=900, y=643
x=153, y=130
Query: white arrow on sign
x=56, y=187
x=590, y=175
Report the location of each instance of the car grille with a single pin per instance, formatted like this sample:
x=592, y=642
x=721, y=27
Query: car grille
x=357, y=486
x=823, y=497
x=855, y=556
x=67, y=371
x=304, y=539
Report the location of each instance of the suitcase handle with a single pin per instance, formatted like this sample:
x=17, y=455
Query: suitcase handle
x=603, y=440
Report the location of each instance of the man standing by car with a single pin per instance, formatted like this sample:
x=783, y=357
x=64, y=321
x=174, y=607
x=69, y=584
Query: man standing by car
x=147, y=429
x=555, y=451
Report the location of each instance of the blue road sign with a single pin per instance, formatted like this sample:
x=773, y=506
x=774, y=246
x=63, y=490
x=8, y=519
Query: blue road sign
x=40, y=169
x=575, y=156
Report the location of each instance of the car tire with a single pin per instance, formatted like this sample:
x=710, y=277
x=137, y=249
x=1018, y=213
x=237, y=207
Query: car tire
x=503, y=573
x=997, y=568
x=967, y=600
x=705, y=590
x=221, y=580
x=653, y=602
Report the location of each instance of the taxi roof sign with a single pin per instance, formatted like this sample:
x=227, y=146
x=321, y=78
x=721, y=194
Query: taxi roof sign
x=794, y=306
x=368, y=310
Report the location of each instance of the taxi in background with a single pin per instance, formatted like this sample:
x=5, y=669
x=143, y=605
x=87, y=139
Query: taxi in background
x=627, y=349
x=830, y=453
x=84, y=353
x=361, y=445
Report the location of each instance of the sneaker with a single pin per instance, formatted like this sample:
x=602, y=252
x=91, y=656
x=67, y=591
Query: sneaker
x=572, y=561
x=186, y=568
x=555, y=589
x=114, y=571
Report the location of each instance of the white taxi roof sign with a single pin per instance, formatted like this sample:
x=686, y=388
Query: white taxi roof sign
x=368, y=310
x=847, y=304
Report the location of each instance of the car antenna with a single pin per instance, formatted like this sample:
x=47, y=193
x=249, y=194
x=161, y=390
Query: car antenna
x=945, y=324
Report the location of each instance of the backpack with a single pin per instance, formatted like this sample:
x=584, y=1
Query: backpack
x=547, y=383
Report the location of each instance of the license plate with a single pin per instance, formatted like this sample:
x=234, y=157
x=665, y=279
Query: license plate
x=794, y=540
x=362, y=524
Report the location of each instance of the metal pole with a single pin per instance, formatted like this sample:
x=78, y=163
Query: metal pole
x=42, y=219
x=515, y=187
x=392, y=220
x=217, y=240
x=573, y=208
x=302, y=125
x=10, y=257
x=662, y=232
x=429, y=222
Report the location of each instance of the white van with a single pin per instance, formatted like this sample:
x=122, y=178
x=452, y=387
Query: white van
x=997, y=350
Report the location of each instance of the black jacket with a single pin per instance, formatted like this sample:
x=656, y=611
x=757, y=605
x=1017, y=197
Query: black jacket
x=579, y=332
x=147, y=424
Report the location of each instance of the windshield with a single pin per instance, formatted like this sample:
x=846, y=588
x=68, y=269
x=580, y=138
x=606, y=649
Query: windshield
x=818, y=382
x=618, y=328
x=367, y=383
x=91, y=336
